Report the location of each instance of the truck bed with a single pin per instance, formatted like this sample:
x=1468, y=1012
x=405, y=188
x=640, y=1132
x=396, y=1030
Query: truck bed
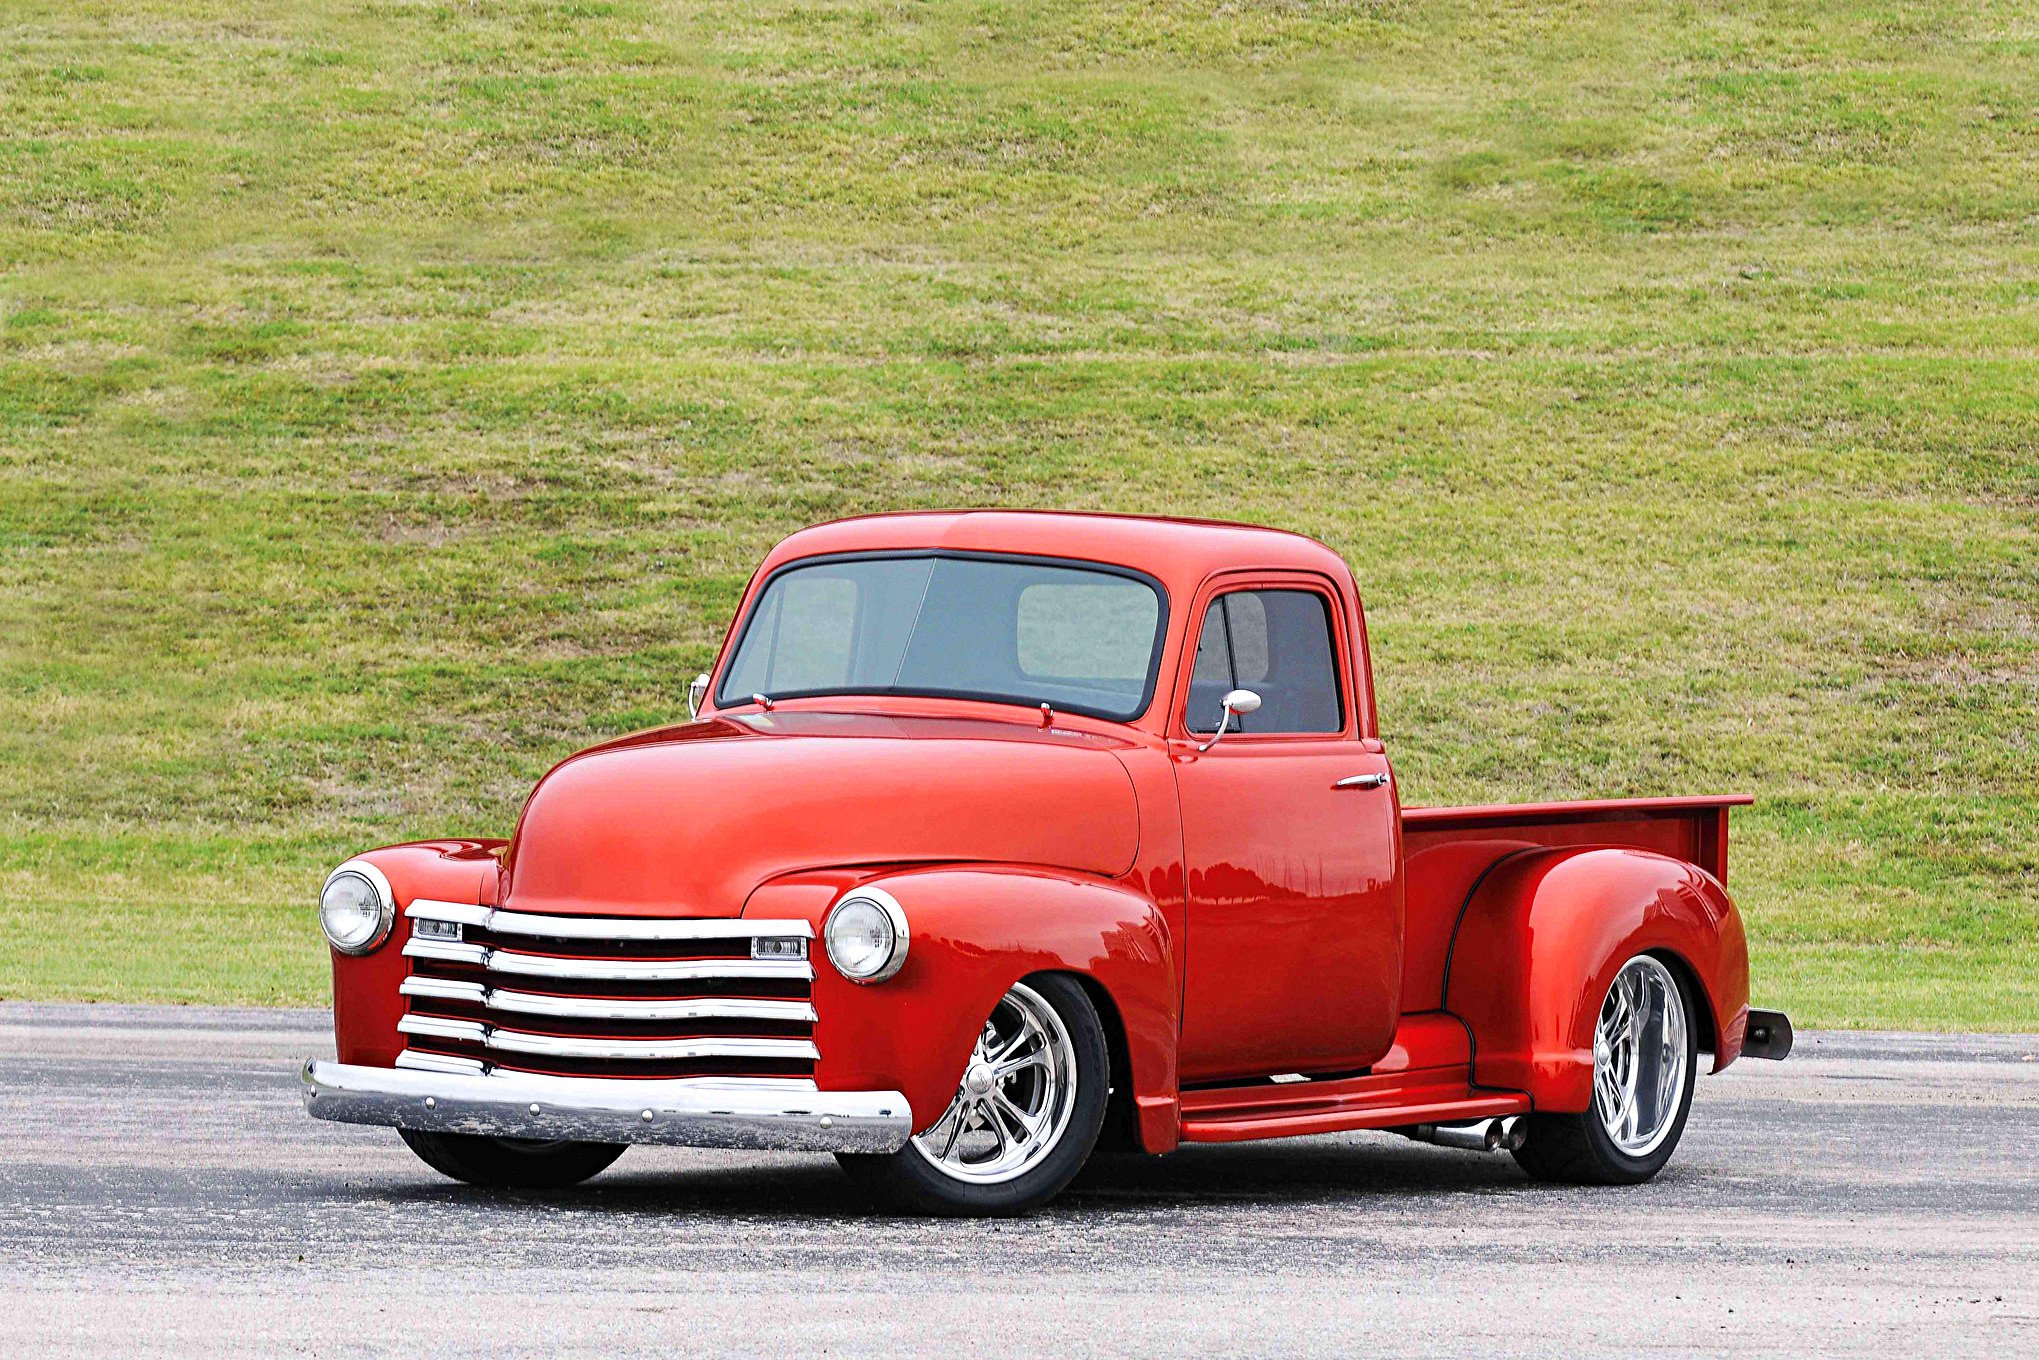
x=1447, y=849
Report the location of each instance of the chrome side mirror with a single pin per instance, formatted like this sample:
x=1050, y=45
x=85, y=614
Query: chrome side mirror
x=1239, y=702
x=696, y=692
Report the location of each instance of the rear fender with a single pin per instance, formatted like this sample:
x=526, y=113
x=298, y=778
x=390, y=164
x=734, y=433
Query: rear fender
x=972, y=933
x=1539, y=943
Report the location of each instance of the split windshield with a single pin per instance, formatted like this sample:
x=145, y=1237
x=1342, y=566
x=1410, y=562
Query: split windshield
x=1011, y=630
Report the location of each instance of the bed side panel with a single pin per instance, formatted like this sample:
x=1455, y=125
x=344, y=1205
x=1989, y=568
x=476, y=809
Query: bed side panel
x=1447, y=851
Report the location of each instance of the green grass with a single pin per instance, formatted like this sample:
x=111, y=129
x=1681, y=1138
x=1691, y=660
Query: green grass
x=395, y=396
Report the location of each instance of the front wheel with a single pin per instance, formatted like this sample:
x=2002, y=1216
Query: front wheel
x=1023, y=1120
x=1643, y=1069
x=510, y=1163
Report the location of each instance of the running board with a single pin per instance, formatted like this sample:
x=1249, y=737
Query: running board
x=1384, y=1100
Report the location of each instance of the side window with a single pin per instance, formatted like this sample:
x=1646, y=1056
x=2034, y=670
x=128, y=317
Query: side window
x=1276, y=643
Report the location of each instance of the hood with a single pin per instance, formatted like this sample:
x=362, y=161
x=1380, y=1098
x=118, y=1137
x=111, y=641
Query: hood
x=686, y=821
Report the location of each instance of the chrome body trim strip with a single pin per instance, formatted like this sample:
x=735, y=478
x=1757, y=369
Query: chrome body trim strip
x=602, y=927
x=774, y=1115
x=638, y=970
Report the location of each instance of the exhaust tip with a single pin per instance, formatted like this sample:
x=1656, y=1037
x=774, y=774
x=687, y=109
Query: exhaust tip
x=1478, y=1135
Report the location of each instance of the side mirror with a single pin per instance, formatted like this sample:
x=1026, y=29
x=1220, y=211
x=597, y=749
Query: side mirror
x=1239, y=702
x=696, y=692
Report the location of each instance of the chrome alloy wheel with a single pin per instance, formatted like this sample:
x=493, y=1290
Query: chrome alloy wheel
x=1639, y=1056
x=1015, y=1099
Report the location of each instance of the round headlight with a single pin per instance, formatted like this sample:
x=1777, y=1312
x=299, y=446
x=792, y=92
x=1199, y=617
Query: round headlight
x=356, y=908
x=866, y=935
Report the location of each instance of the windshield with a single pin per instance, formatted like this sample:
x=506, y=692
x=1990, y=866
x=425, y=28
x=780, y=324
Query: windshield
x=1012, y=630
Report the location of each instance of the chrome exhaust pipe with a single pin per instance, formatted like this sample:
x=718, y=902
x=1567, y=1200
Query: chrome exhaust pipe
x=1480, y=1135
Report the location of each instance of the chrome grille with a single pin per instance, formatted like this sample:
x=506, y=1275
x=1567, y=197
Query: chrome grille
x=605, y=996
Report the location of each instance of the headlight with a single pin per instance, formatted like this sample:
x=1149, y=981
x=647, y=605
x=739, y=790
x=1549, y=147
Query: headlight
x=866, y=935
x=356, y=908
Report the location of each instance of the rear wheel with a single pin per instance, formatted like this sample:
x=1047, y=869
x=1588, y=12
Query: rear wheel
x=1643, y=1069
x=1023, y=1120
x=510, y=1163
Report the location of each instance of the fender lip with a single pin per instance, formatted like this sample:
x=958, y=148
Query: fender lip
x=1768, y=1036
x=762, y=1114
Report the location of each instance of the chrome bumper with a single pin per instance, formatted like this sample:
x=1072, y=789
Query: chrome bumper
x=773, y=1114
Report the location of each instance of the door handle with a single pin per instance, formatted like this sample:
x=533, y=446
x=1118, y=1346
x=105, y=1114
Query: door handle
x=1362, y=781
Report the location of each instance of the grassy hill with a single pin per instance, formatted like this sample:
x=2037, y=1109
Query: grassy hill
x=395, y=396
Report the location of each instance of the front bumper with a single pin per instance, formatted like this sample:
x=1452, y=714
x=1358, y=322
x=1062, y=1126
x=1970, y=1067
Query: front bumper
x=773, y=1114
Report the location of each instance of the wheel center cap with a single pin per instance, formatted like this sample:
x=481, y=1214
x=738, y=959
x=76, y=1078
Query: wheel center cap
x=979, y=1080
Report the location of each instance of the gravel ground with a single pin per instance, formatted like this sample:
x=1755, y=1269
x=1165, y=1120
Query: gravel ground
x=162, y=1193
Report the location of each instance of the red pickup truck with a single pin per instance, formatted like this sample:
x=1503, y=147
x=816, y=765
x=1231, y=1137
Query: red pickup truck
x=996, y=836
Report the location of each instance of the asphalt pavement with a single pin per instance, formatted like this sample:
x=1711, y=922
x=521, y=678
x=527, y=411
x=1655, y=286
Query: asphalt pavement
x=162, y=1193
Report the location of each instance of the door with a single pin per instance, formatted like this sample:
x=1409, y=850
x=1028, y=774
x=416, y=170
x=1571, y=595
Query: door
x=1294, y=959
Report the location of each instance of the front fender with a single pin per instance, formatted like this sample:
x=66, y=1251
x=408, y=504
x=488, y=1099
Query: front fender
x=973, y=932
x=1541, y=938
x=366, y=1003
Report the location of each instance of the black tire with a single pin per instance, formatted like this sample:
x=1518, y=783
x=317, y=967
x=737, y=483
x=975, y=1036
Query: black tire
x=510, y=1163
x=1576, y=1149
x=908, y=1181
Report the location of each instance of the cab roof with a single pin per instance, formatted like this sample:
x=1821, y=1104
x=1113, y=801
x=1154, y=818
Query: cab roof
x=1180, y=553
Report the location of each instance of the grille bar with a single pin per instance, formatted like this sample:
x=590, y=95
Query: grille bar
x=502, y=922
x=439, y=1062
x=575, y=1046
x=642, y=970
x=516, y=1041
x=607, y=1007
x=443, y=1027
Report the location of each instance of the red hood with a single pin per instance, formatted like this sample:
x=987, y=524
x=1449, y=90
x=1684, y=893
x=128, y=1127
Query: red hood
x=686, y=821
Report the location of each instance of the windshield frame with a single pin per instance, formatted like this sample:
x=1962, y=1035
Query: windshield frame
x=723, y=664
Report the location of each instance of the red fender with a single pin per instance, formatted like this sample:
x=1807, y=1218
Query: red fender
x=973, y=932
x=366, y=1003
x=1539, y=943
